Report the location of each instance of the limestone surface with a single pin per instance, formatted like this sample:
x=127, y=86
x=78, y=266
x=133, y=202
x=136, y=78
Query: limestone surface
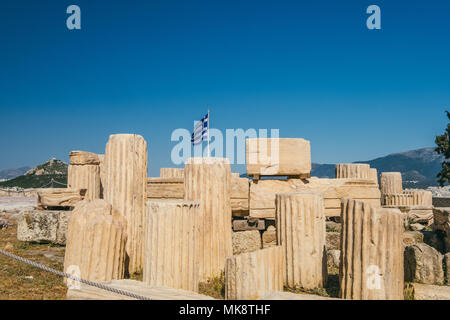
x=278, y=156
x=262, y=193
x=85, y=177
x=125, y=189
x=371, y=264
x=421, y=197
x=246, y=241
x=60, y=197
x=208, y=182
x=300, y=224
x=391, y=183
x=373, y=175
x=353, y=171
x=447, y=267
x=43, y=226
x=83, y=158
x=137, y=287
x=96, y=240
x=412, y=237
x=171, y=244
x=171, y=173
x=430, y=292
x=333, y=258
x=269, y=237
x=423, y=264
x=240, y=190
x=253, y=275
x=165, y=188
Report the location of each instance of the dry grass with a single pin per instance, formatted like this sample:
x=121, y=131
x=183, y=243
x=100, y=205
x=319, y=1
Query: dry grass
x=20, y=281
x=213, y=287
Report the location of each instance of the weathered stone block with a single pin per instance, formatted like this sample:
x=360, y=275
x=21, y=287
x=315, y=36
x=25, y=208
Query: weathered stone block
x=447, y=267
x=246, y=241
x=60, y=197
x=96, y=240
x=269, y=237
x=278, y=156
x=412, y=237
x=132, y=286
x=391, y=183
x=248, y=224
x=171, y=244
x=83, y=158
x=333, y=258
x=423, y=264
x=353, y=171
x=430, y=292
x=421, y=197
x=240, y=190
x=43, y=226
x=253, y=275
x=171, y=173
x=165, y=188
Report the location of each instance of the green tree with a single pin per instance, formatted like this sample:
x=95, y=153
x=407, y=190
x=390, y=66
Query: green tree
x=443, y=147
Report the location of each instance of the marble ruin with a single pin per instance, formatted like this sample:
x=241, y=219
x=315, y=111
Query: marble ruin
x=253, y=275
x=84, y=173
x=171, y=244
x=125, y=189
x=264, y=233
x=96, y=241
x=208, y=181
x=371, y=264
x=300, y=223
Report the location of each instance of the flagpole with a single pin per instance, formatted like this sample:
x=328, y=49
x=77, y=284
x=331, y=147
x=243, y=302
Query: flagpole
x=209, y=119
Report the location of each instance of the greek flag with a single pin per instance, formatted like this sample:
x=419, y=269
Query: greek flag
x=200, y=130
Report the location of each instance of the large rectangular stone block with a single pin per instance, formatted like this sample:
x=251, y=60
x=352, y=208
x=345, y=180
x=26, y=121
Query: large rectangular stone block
x=171, y=244
x=134, y=287
x=254, y=275
x=262, y=193
x=240, y=189
x=278, y=156
x=60, y=197
x=43, y=226
x=165, y=188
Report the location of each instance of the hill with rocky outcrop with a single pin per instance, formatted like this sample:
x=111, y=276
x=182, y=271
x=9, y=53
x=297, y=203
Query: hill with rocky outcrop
x=52, y=173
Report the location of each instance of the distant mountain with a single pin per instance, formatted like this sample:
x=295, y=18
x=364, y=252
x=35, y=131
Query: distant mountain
x=13, y=173
x=418, y=167
x=52, y=173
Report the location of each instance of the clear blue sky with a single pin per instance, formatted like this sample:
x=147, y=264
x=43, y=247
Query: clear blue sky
x=310, y=68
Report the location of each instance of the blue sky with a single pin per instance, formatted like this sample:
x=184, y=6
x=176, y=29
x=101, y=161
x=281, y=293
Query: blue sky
x=310, y=68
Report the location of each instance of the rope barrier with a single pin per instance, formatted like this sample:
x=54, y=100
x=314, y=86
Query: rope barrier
x=69, y=276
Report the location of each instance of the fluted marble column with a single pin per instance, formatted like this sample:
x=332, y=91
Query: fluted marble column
x=125, y=188
x=300, y=220
x=371, y=264
x=208, y=182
